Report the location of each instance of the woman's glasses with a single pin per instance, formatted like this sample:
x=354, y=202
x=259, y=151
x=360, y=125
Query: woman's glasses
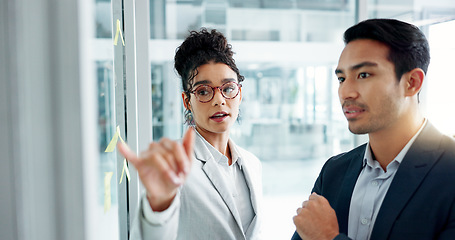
x=205, y=93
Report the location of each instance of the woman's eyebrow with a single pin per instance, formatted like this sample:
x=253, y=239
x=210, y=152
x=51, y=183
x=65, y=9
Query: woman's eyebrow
x=202, y=82
x=228, y=80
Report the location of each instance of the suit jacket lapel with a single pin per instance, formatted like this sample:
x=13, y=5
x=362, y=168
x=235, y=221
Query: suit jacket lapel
x=220, y=183
x=347, y=187
x=252, y=186
x=218, y=180
x=255, y=192
x=420, y=158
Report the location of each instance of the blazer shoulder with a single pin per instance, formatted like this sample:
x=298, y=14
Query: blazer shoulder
x=337, y=167
x=448, y=143
x=248, y=156
x=347, y=157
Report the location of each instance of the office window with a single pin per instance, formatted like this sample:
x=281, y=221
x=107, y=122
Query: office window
x=440, y=82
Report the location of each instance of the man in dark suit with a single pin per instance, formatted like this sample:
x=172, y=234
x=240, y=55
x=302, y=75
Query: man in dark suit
x=401, y=184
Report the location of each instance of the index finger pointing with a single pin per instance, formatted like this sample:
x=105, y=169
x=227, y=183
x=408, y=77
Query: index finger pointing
x=127, y=153
x=188, y=142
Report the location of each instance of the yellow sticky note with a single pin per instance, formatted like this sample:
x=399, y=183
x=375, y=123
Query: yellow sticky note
x=110, y=147
x=113, y=143
x=121, y=139
x=107, y=191
x=119, y=31
x=126, y=171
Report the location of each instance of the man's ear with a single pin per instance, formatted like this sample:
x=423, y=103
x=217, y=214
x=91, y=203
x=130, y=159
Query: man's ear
x=414, y=81
x=186, y=101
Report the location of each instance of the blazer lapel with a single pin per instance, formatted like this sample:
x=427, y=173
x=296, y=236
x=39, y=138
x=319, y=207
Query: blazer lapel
x=420, y=158
x=255, y=193
x=220, y=183
x=347, y=187
x=253, y=185
x=218, y=180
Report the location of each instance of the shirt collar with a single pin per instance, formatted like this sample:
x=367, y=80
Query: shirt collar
x=368, y=157
x=219, y=157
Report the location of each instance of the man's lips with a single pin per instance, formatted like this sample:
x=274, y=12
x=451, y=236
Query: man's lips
x=352, y=111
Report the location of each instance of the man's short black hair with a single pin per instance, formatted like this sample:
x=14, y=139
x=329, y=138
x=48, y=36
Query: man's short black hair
x=408, y=46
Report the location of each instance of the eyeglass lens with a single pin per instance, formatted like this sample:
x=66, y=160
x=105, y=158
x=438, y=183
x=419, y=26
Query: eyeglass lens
x=205, y=93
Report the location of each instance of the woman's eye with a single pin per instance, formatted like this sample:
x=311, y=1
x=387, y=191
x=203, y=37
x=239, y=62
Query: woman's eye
x=202, y=92
x=228, y=89
x=364, y=75
x=341, y=79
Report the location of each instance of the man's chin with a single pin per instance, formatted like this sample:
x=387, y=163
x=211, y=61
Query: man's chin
x=358, y=130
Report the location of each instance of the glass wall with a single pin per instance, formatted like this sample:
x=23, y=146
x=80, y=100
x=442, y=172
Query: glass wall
x=107, y=199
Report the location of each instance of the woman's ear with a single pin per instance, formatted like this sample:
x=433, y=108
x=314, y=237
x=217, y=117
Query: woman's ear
x=240, y=93
x=414, y=81
x=186, y=101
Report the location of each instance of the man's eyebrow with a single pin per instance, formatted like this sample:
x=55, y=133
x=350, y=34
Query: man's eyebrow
x=357, y=66
x=363, y=64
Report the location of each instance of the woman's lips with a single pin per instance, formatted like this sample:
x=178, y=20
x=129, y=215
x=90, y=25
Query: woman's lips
x=219, y=116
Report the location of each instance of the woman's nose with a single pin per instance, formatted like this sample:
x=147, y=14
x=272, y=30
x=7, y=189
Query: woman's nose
x=218, y=98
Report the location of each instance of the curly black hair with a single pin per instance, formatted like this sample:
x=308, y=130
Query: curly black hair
x=200, y=48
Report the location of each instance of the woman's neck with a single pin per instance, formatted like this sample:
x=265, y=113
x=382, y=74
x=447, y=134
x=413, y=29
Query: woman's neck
x=218, y=140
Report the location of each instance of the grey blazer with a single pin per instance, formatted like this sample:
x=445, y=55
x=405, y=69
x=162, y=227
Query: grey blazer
x=205, y=209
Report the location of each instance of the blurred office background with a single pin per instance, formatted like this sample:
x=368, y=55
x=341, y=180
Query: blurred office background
x=74, y=71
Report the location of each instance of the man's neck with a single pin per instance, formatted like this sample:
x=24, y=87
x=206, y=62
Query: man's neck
x=387, y=143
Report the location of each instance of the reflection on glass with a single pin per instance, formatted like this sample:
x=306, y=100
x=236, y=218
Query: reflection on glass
x=103, y=19
x=108, y=220
x=157, y=102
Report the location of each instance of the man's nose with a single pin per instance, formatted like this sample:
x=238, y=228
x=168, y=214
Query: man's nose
x=348, y=89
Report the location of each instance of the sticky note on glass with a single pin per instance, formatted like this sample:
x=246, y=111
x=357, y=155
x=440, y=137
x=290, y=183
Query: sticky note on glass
x=119, y=32
x=107, y=191
x=125, y=171
x=111, y=146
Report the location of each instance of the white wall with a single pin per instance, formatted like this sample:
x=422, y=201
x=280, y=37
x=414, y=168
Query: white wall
x=43, y=120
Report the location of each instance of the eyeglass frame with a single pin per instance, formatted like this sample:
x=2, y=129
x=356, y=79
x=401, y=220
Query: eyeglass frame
x=239, y=85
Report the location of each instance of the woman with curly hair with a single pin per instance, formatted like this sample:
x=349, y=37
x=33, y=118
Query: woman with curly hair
x=205, y=186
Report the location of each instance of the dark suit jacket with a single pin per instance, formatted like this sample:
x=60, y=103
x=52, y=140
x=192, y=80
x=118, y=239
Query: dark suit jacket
x=420, y=203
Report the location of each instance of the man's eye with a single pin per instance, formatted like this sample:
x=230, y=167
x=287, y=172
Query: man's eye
x=341, y=79
x=364, y=75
